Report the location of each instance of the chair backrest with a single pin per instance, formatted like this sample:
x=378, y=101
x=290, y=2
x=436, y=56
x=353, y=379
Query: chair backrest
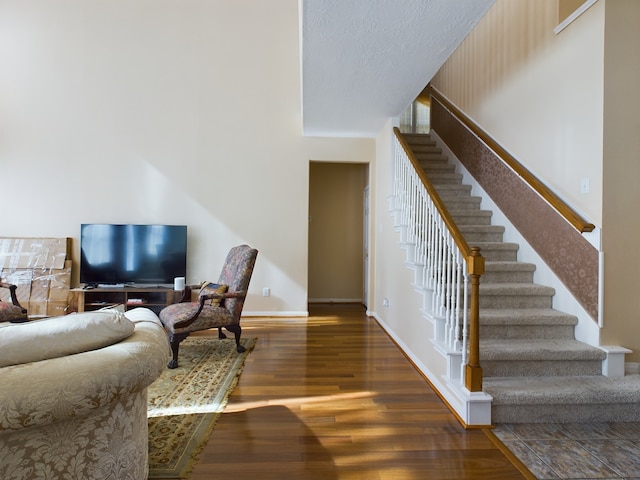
x=236, y=273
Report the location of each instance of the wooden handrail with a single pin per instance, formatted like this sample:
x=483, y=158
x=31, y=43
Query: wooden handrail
x=551, y=198
x=475, y=268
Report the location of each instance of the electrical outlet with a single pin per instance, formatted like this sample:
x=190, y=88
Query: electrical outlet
x=385, y=302
x=585, y=185
x=266, y=291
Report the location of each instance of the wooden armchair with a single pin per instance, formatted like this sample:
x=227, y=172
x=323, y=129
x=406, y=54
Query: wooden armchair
x=219, y=305
x=12, y=312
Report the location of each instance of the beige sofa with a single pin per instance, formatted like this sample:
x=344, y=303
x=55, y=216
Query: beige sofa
x=73, y=395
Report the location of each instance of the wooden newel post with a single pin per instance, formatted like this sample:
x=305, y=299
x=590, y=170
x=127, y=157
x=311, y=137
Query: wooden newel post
x=473, y=371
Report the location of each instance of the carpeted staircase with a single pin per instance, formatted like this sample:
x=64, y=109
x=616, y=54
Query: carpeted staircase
x=534, y=368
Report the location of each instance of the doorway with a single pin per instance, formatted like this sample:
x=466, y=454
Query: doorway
x=336, y=266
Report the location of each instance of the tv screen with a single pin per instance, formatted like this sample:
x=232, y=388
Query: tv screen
x=132, y=254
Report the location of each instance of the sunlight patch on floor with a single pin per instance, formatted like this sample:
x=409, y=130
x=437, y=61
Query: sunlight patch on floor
x=298, y=401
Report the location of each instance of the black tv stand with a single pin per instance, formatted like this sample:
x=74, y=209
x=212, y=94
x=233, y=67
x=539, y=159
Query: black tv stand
x=154, y=297
x=147, y=286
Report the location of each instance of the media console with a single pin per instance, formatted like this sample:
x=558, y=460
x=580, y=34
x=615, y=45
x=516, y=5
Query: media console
x=154, y=298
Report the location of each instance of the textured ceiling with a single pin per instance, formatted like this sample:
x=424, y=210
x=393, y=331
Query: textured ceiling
x=364, y=61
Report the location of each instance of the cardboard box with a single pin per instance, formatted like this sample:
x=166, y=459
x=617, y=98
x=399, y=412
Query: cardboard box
x=60, y=283
x=57, y=308
x=34, y=253
x=41, y=271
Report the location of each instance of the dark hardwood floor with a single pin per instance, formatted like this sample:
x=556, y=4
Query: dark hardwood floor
x=332, y=397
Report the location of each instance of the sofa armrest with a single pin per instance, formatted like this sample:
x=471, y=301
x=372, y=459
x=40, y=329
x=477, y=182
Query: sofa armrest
x=40, y=393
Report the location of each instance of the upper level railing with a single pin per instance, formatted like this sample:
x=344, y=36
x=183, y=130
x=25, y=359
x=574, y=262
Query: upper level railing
x=551, y=198
x=450, y=269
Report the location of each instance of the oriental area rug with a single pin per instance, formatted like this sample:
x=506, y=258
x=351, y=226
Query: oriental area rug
x=185, y=402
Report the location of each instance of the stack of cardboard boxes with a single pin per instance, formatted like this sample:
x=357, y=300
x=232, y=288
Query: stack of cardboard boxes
x=41, y=268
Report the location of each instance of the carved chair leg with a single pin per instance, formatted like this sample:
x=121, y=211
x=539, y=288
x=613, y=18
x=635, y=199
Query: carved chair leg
x=237, y=331
x=221, y=334
x=175, y=340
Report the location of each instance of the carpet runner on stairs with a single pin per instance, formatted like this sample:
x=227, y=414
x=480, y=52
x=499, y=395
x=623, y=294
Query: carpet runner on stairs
x=534, y=368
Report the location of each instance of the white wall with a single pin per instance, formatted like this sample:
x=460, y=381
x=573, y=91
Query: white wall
x=513, y=66
x=621, y=172
x=394, y=281
x=163, y=112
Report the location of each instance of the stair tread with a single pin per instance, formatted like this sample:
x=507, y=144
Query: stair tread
x=466, y=198
x=419, y=141
x=446, y=174
x=452, y=189
x=538, y=349
x=445, y=178
x=588, y=389
x=470, y=213
x=525, y=316
x=496, y=246
x=432, y=163
x=481, y=228
x=504, y=266
x=418, y=138
x=515, y=289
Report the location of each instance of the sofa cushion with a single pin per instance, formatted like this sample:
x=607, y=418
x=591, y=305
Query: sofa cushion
x=60, y=336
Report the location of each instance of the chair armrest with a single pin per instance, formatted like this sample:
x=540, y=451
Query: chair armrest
x=211, y=296
x=196, y=312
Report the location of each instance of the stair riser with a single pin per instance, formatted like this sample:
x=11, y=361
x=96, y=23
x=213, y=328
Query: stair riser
x=472, y=237
x=462, y=204
x=529, y=368
x=427, y=150
x=424, y=147
x=446, y=179
x=565, y=413
x=515, y=301
x=427, y=160
x=453, y=190
x=472, y=218
x=539, y=332
x=507, y=277
x=499, y=255
x=436, y=169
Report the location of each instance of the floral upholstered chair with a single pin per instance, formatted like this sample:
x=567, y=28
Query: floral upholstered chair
x=219, y=304
x=12, y=312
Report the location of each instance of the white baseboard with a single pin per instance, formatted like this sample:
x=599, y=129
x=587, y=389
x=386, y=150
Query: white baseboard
x=275, y=313
x=335, y=300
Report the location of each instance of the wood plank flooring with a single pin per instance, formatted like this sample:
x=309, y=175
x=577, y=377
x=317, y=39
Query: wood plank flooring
x=332, y=397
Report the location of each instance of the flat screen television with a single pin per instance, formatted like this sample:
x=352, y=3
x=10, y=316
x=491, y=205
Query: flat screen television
x=132, y=254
